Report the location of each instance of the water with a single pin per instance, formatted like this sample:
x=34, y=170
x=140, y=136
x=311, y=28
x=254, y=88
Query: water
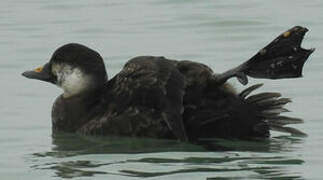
x=221, y=34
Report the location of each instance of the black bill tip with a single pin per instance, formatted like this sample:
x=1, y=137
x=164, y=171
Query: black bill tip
x=42, y=73
x=34, y=75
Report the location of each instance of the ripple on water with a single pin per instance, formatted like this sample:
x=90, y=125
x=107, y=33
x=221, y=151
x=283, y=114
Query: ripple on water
x=81, y=156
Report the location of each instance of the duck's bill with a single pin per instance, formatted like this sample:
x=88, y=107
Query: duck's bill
x=282, y=58
x=42, y=73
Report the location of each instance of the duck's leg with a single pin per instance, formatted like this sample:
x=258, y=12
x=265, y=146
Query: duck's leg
x=282, y=58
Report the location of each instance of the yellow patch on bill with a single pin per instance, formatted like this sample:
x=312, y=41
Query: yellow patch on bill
x=286, y=34
x=39, y=69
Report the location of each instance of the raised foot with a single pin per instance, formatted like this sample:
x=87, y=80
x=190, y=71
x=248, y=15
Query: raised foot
x=282, y=58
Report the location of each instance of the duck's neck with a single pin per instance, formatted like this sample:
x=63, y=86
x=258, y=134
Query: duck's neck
x=69, y=114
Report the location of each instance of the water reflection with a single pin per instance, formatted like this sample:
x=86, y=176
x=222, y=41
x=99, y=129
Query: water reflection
x=71, y=144
x=83, y=156
x=73, y=169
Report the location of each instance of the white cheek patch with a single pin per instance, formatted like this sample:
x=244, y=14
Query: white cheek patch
x=71, y=79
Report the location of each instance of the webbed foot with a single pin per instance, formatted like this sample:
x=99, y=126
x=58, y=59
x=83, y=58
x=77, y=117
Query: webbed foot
x=282, y=58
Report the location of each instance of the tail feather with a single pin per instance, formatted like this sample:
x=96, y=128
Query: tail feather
x=248, y=90
x=276, y=107
x=281, y=109
x=270, y=105
x=277, y=102
x=275, y=111
x=287, y=130
x=274, y=101
x=285, y=120
x=262, y=97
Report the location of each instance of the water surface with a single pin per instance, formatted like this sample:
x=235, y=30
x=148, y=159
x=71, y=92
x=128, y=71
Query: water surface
x=221, y=34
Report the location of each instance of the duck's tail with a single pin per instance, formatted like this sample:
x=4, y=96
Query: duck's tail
x=269, y=106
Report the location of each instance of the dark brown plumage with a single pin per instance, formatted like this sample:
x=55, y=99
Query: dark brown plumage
x=162, y=98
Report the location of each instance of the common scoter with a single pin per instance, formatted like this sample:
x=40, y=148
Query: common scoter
x=163, y=98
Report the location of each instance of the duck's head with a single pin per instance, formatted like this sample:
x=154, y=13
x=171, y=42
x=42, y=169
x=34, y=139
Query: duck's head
x=73, y=67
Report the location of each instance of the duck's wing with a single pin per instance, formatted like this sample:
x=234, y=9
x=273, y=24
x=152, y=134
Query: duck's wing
x=152, y=88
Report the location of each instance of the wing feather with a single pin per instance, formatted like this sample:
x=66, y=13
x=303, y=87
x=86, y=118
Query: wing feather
x=154, y=88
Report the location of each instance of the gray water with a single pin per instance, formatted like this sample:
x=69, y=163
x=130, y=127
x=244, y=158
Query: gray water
x=221, y=34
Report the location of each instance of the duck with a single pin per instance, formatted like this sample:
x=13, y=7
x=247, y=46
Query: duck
x=157, y=97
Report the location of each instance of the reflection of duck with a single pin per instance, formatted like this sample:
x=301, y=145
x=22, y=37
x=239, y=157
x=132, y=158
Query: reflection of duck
x=72, y=146
x=163, y=98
